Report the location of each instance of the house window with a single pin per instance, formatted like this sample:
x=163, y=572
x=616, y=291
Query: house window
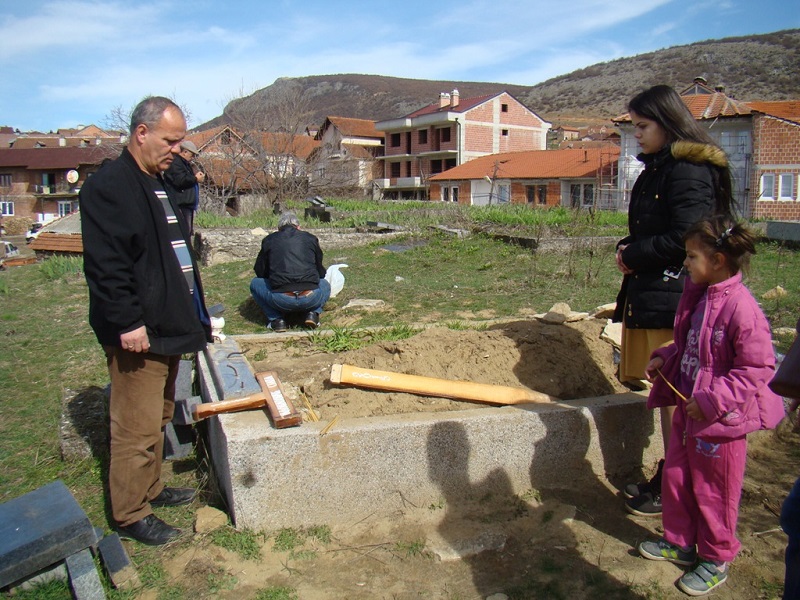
x=504, y=132
x=503, y=193
x=575, y=195
x=395, y=140
x=436, y=167
x=504, y=108
x=786, y=186
x=588, y=194
x=449, y=163
x=5, y=180
x=7, y=209
x=395, y=169
x=445, y=135
x=581, y=194
x=64, y=208
x=454, y=195
x=445, y=194
x=536, y=193
x=767, y=191
x=423, y=136
x=48, y=183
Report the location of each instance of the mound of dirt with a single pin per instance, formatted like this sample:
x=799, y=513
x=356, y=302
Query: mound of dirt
x=568, y=361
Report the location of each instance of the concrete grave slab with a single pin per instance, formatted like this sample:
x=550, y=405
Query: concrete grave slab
x=299, y=476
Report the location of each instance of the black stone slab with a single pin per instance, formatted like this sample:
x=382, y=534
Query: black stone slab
x=117, y=563
x=40, y=528
x=84, y=580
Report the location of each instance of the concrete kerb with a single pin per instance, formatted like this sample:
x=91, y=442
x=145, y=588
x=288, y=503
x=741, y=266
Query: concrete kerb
x=296, y=477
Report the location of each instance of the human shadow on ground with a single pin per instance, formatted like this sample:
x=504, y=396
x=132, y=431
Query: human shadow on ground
x=518, y=545
x=623, y=433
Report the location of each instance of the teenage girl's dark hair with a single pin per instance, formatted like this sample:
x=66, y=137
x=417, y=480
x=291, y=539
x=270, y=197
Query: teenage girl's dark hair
x=723, y=234
x=663, y=105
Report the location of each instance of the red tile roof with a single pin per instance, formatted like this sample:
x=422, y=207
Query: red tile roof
x=464, y=104
x=300, y=146
x=534, y=164
x=706, y=106
x=58, y=242
x=352, y=127
x=25, y=143
x=783, y=109
x=53, y=158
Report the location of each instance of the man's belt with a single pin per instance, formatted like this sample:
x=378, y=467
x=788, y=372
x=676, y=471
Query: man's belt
x=301, y=294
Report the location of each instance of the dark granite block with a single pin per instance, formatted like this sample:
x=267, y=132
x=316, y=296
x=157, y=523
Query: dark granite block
x=40, y=528
x=83, y=578
x=117, y=563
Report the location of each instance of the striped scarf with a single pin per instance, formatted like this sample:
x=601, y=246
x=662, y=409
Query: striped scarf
x=176, y=235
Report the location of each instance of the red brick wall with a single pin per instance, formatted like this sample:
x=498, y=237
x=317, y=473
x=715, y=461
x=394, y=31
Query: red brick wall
x=519, y=192
x=776, y=150
x=478, y=138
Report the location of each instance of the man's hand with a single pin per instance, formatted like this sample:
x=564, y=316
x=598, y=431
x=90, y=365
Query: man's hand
x=135, y=341
x=693, y=410
x=200, y=176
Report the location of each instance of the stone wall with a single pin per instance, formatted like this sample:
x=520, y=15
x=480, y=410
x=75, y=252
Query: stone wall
x=222, y=245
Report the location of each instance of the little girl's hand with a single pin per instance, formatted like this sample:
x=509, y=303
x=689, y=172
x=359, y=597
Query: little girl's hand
x=693, y=409
x=651, y=370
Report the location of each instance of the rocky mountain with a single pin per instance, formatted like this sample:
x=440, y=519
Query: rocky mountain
x=758, y=67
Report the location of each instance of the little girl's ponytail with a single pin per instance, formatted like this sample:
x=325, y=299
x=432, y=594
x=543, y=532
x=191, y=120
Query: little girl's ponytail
x=722, y=233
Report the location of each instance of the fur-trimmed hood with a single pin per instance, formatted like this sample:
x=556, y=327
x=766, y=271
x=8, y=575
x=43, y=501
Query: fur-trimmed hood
x=698, y=153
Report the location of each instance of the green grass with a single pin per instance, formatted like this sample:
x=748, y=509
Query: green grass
x=412, y=548
x=277, y=593
x=418, y=215
x=245, y=543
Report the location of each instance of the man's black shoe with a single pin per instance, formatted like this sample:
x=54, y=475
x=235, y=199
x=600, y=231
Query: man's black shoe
x=151, y=531
x=170, y=496
x=312, y=320
x=278, y=325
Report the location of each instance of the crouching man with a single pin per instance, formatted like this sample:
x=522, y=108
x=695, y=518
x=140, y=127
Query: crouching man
x=290, y=278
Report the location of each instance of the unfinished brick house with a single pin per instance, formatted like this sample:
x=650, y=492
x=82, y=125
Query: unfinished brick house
x=449, y=133
x=776, y=160
x=249, y=171
x=347, y=159
x=761, y=139
x=578, y=177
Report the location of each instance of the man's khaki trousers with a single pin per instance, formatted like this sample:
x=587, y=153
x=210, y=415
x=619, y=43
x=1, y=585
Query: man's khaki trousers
x=141, y=405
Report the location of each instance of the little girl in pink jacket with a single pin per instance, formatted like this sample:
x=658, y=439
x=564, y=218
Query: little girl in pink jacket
x=716, y=371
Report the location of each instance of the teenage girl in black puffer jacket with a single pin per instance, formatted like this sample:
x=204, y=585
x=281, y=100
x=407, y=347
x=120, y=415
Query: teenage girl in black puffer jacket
x=686, y=177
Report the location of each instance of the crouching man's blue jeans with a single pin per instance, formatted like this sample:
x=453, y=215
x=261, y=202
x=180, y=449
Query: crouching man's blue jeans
x=277, y=305
x=790, y=523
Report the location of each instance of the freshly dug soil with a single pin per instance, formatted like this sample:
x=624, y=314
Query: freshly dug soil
x=567, y=361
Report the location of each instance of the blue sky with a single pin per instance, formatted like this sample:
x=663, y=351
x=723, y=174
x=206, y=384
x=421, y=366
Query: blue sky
x=70, y=62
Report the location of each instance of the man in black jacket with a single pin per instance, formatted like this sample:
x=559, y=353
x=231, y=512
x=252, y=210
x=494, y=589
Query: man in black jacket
x=146, y=308
x=290, y=278
x=183, y=181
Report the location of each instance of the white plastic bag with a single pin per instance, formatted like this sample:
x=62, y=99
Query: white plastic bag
x=335, y=277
